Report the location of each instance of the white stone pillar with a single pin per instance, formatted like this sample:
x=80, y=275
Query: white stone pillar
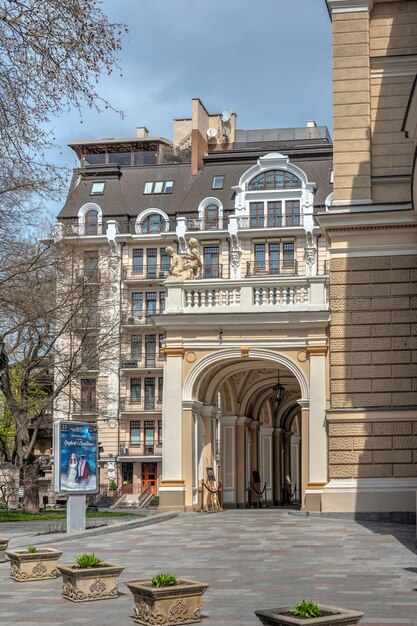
x=317, y=418
x=295, y=465
x=172, y=486
x=266, y=459
x=228, y=458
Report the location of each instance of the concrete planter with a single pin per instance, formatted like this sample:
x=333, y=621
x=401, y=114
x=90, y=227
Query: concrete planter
x=3, y=548
x=170, y=606
x=339, y=617
x=83, y=584
x=28, y=566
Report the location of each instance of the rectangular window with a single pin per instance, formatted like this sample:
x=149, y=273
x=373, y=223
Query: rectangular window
x=91, y=265
x=256, y=211
x=150, y=350
x=160, y=389
x=292, y=213
x=149, y=437
x=274, y=258
x=88, y=395
x=212, y=217
x=90, y=311
x=151, y=303
x=137, y=304
x=89, y=355
x=97, y=189
x=218, y=182
x=149, y=394
x=136, y=347
x=169, y=186
x=138, y=261
x=159, y=432
x=165, y=261
x=288, y=255
x=152, y=258
x=211, y=262
x=162, y=301
x=135, y=433
x=260, y=257
x=158, y=187
x=148, y=187
x=274, y=214
x=135, y=389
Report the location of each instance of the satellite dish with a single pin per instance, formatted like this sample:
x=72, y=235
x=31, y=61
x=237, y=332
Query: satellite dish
x=211, y=133
x=226, y=115
x=226, y=131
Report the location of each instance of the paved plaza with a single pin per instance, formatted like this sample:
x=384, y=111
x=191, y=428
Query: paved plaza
x=251, y=559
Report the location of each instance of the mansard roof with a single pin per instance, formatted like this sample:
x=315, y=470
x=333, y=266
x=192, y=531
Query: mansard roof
x=124, y=190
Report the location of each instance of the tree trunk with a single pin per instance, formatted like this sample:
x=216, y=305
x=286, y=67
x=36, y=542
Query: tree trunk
x=30, y=471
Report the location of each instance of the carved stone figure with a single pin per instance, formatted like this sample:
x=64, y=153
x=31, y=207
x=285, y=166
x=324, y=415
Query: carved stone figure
x=186, y=266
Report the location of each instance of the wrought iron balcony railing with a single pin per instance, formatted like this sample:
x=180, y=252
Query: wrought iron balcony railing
x=265, y=221
x=138, y=271
x=271, y=268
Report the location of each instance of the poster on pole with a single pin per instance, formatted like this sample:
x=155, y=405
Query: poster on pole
x=76, y=458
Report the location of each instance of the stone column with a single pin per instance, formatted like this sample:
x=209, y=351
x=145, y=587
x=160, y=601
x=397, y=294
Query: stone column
x=228, y=459
x=241, y=492
x=351, y=101
x=317, y=476
x=172, y=487
x=208, y=415
x=277, y=466
x=295, y=465
x=265, y=458
x=305, y=449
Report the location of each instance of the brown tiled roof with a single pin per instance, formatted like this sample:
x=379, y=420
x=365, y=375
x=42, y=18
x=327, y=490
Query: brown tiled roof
x=124, y=195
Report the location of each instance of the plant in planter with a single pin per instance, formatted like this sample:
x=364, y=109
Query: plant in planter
x=89, y=578
x=3, y=547
x=167, y=600
x=33, y=563
x=309, y=613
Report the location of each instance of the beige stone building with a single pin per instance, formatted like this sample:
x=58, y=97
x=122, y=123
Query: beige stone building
x=371, y=232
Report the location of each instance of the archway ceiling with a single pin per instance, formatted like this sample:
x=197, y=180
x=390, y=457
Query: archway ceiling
x=253, y=376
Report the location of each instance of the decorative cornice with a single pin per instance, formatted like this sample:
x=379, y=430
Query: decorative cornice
x=317, y=350
x=349, y=6
x=173, y=351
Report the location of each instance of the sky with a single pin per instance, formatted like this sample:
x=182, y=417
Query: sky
x=269, y=61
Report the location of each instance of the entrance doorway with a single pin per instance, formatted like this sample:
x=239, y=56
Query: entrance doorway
x=149, y=477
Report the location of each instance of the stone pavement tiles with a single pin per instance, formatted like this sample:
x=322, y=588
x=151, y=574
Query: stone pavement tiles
x=251, y=559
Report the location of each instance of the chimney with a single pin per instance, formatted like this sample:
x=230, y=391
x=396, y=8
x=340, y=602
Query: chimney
x=142, y=132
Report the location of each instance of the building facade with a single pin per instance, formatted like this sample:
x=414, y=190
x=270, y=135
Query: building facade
x=371, y=232
x=196, y=352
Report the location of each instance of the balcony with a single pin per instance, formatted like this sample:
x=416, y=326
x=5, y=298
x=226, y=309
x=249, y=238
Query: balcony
x=139, y=273
x=257, y=294
x=88, y=277
x=276, y=221
x=135, y=450
x=127, y=405
x=271, y=268
x=84, y=407
x=138, y=318
x=146, y=362
x=199, y=224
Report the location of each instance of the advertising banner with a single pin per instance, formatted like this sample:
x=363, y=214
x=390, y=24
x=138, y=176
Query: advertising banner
x=76, y=458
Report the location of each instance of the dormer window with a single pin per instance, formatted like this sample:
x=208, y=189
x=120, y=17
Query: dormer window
x=158, y=186
x=97, y=189
x=91, y=222
x=218, y=182
x=274, y=179
x=211, y=217
x=153, y=224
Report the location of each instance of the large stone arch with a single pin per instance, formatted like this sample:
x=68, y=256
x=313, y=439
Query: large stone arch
x=195, y=377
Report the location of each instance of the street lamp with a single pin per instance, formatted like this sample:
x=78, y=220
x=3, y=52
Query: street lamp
x=279, y=391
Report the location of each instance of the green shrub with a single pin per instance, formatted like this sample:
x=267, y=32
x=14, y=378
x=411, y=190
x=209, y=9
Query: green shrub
x=306, y=609
x=164, y=580
x=32, y=549
x=88, y=560
x=112, y=485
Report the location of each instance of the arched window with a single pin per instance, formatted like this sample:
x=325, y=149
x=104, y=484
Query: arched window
x=274, y=179
x=153, y=223
x=91, y=222
x=211, y=217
